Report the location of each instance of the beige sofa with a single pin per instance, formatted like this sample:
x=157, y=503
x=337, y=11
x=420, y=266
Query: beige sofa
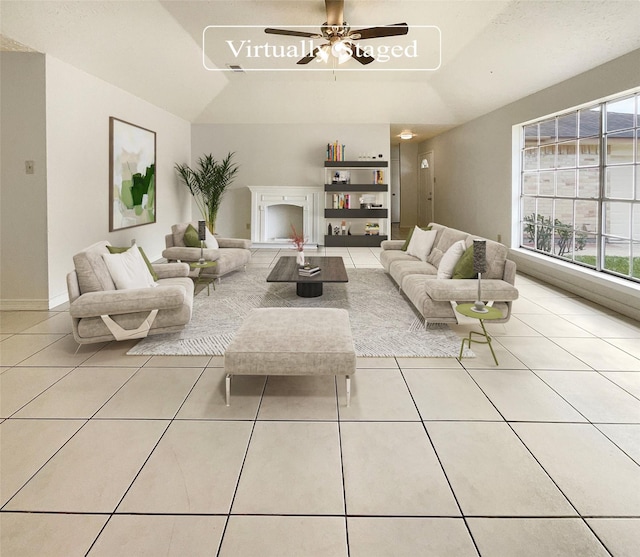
x=232, y=254
x=432, y=296
x=95, y=304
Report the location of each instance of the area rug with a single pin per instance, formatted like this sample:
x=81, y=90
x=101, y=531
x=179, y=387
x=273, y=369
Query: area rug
x=383, y=322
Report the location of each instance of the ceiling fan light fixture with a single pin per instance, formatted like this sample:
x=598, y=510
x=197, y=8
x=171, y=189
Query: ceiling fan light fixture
x=323, y=53
x=341, y=51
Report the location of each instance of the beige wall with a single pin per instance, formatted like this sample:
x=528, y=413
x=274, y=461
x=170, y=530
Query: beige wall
x=23, y=201
x=278, y=155
x=408, y=184
x=475, y=176
x=68, y=208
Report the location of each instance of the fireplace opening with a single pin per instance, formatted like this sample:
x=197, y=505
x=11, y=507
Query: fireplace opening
x=280, y=218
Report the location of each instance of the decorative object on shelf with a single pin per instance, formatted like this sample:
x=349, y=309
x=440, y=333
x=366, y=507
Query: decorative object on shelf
x=336, y=230
x=202, y=236
x=379, y=176
x=424, y=164
x=335, y=151
x=132, y=167
x=479, y=266
x=208, y=184
x=372, y=229
x=344, y=228
x=329, y=230
x=298, y=240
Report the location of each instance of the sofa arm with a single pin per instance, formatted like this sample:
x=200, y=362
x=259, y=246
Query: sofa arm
x=170, y=270
x=241, y=243
x=466, y=290
x=116, y=302
x=190, y=254
x=392, y=244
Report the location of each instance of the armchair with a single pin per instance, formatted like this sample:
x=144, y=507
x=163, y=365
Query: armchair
x=101, y=313
x=231, y=254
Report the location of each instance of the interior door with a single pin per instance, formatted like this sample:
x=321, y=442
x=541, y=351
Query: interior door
x=426, y=185
x=395, y=191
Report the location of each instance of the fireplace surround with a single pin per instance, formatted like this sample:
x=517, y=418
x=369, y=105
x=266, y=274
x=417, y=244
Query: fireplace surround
x=275, y=208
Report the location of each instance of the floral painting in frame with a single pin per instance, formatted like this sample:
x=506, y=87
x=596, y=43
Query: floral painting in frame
x=132, y=175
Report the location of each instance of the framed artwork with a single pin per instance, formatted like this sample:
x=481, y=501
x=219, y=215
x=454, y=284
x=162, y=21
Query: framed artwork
x=132, y=175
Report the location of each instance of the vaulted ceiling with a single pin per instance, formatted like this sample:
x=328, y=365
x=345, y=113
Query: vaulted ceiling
x=490, y=54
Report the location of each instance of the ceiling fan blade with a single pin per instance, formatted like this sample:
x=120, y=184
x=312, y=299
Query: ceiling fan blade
x=291, y=33
x=309, y=57
x=385, y=31
x=360, y=56
x=335, y=12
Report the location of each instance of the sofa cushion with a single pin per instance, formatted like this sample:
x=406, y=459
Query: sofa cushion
x=128, y=269
x=435, y=257
x=114, y=249
x=405, y=246
x=178, y=230
x=464, y=266
x=467, y=290
x=191, y=238
x=450, y=258
x=449, y=236
x=404, y=267
x=211, y=242
x=93, y=275
x=496, y=258
x=421, y=243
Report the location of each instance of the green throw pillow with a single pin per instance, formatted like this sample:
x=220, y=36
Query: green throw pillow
x=406, y=242
x=191, y=238
x=464, y=266
x=114, y=249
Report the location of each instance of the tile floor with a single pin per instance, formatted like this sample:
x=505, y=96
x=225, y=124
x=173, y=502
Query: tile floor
x=112, y=455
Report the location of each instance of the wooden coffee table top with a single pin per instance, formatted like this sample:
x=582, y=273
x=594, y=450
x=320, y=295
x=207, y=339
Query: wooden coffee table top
x=331, y=270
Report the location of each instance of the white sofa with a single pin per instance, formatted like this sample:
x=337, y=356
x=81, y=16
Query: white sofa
x=232, y=254
x=432, y=296
x=95, y=303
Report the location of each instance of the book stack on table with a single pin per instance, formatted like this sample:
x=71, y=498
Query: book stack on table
x=308, y=271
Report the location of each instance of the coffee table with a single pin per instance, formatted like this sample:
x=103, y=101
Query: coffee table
x=331, y=270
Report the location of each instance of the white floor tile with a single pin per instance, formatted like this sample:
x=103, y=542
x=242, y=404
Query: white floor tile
x=284, y=536
x=599, y=354
x=449, y=394
x=193, y=470
x=492, y=473
x=594, y=396
x=57, y=535
x=292, y=468
x=391, y=469
x=590, y=470
x=300, y=398
x=20, y=385
x=520, y=395
x=540, y=353
x=93, y=470
x=17, y=348
x=26, y=446
x=409, y=537
x=151, y=393
x=151, y=536
x=620, y=535
x=625, y=436
x=79, y=394
x=535, y=537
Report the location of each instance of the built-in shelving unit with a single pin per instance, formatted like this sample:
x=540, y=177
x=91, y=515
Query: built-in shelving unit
x=356, y=202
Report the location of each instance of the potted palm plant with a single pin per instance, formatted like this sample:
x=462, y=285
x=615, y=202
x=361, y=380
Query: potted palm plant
x=208, y=183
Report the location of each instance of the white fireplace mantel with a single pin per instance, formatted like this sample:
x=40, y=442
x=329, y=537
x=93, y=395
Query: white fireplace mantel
x=309, y=199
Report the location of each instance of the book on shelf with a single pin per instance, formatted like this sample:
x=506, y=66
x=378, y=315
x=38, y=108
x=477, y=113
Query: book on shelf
x=335, y=151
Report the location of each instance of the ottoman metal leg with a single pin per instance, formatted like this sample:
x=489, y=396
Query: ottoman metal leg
x=228, y=388
x=348, y=390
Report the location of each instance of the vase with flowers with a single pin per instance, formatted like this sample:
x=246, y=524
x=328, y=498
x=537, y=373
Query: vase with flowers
x=298, y=241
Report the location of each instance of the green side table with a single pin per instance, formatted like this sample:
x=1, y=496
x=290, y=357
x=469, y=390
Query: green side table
x=200, y=279
x=492, y=313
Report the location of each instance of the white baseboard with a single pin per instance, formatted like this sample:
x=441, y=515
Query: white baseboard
x=33, y=305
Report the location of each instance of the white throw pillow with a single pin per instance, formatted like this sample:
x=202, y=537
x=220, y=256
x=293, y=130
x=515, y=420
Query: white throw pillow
x=421, y=243
x=210, y=240
x=450, y=258
x=128, y=269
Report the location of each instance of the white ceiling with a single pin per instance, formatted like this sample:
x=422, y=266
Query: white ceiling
x=492, y=53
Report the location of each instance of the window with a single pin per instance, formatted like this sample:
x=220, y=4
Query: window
x=580, y=186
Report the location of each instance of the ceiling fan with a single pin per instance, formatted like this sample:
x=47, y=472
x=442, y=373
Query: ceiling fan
x=340, y=36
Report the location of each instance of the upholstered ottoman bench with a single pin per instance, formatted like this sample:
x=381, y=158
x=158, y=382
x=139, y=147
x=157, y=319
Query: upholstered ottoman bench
x=292, y=341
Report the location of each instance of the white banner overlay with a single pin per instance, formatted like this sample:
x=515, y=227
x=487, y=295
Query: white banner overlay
x=249, y=47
